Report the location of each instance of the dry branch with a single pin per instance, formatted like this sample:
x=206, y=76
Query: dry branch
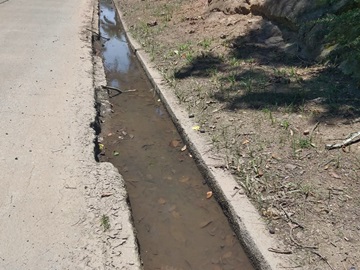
x=97, y=34
x=352, y=138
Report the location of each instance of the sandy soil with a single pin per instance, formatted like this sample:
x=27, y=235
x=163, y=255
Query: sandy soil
x=270, y=115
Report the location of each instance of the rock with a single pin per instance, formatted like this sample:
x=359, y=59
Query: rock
x=290, y=167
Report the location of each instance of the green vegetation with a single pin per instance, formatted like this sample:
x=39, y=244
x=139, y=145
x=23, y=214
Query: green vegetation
x=342, y=38
x=105, y=222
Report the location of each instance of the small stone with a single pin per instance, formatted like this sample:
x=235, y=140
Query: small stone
x=152, y=23
x=202, y=130
x=306, y=132
x=271, y=230
x=290, y=167
x=191, y=115
x=222, y=36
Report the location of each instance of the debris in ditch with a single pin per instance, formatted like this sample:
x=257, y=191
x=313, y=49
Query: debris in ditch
x=205, y=223
x=161, y=201
x=175, y=143
x=183, y=148
x=116, y=153
x=209, y=194
x=101, y=146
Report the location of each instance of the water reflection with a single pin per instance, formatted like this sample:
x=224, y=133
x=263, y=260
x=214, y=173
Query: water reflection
x=116, y=51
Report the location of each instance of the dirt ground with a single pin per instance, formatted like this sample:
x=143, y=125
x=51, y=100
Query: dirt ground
x=271, y=114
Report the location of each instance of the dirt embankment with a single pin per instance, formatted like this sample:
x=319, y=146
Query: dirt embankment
x=269, y=113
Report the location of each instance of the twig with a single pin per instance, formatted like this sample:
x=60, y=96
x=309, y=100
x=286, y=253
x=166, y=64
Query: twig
x=280, y=251
x=97, y=34
x=297, y=243
x=313, y=129
x=117, y=89
x=290, y=219
x=3, y=2
x=322, y=258
x=352, y=138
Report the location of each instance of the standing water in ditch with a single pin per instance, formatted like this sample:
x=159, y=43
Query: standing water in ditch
x=177, y=226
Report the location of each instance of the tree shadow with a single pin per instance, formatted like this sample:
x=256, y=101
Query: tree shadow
x=272, y=75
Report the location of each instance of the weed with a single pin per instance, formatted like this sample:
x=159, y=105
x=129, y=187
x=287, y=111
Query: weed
x=285, y=124
x=105, y=222
x=205, y=43
x=304, y=143
x=189, y=56
x=269, y=112
x=234, y=62
x=247, y=84
x=232, y=79
x=184, y=47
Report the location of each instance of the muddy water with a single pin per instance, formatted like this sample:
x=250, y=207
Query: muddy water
x=177, y=226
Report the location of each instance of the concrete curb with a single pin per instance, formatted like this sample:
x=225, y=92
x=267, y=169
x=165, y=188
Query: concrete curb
x=245, y=219
x=119, y=248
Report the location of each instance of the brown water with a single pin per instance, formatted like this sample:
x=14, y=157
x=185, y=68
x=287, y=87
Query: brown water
x=177, y=226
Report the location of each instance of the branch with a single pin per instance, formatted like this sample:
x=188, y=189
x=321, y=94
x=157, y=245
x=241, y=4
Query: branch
x=352, y=138
x=95, y=33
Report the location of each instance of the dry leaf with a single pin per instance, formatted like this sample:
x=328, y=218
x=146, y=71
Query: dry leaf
x=196, y=128
x=260, y=173
x=209, y=194
x=174, y=143
x=335, y=175
x=245, y=142
x=183, y=148
x=161, y=201
x=184, y=179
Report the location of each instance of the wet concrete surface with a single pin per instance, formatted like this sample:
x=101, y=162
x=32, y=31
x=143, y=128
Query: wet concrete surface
x=178, y=227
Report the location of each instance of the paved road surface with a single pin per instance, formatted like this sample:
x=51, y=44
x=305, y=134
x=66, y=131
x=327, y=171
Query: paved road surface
x=50, y=185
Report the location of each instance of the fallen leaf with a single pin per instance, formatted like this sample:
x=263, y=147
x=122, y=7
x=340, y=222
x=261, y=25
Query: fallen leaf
x=209, y=194
x=110, y=134
x=196, y=128
x=116, y=153
x=183, y=148
x=101, y=146
x=335, y=175
x=161, y=201
x=184, y=179
x=245, y=142
x=275, y=156
x=174, y=143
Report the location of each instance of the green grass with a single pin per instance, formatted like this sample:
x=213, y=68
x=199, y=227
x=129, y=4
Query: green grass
x=105, y=222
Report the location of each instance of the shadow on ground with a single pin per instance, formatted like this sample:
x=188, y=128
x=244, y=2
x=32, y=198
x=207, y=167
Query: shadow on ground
x=264, y=72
